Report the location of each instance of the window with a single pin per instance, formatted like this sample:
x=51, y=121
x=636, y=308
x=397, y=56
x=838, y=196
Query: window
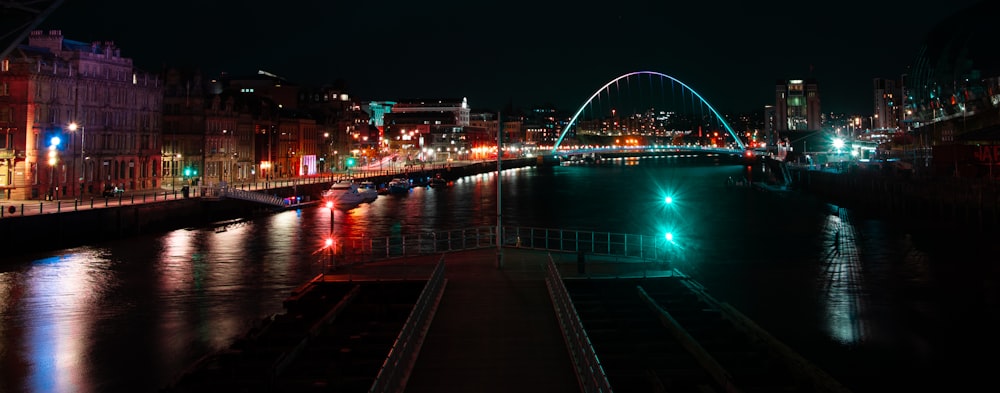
x=4, y=88
x=5, y=65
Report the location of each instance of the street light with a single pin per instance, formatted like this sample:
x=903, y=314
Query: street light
x=53, y=160
x=83, y=154
x=329, y=240
x=173, y=172
x=668, y=237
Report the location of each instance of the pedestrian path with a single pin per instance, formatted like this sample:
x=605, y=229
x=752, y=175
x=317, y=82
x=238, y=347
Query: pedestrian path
x=494, y=330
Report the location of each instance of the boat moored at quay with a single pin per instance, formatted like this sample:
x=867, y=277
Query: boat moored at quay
x=399, y=185
x=348, y=193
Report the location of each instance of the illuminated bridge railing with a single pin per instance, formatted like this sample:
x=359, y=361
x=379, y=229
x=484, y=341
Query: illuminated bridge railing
x=648, y=149
x=610, y=244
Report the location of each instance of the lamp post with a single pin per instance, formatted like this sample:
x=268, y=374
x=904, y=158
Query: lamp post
x=329, y=240
x=174, y=171
x=265, y=170
x=668, y=237
x=53, y=155
x=83, y=154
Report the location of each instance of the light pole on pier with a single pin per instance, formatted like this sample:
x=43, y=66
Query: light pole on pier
x=83, y=154
x=329, y=240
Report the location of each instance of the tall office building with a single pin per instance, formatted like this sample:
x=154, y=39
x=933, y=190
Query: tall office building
x=888, y=103
x=797, y=105
x=770, y=131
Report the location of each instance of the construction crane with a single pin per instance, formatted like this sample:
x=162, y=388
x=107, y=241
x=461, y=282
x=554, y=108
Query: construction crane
x=19, y=17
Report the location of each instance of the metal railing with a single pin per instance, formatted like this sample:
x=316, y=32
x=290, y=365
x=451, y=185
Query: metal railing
x=396, y=368
x=249, y=196
x=617, y=245
x=589, y=372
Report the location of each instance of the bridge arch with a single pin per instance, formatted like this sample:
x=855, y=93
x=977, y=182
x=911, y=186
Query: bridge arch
x=722, y=120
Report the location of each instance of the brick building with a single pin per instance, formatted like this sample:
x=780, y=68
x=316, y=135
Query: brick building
x=104, y=113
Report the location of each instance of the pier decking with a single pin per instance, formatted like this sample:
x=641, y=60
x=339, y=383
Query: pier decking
x=496, y=330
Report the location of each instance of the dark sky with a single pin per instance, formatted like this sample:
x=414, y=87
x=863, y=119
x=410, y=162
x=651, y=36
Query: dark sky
x=525, y=52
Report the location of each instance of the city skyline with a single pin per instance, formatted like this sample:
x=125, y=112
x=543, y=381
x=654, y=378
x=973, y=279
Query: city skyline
x=526, y=54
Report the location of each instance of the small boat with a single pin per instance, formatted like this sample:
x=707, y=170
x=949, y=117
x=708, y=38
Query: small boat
x=438, y=181
x=369, y=190
x=345, y=194
x=399, y=186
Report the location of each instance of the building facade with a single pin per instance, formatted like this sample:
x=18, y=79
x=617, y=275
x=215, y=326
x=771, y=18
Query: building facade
x=76, y=118
x=797, y=105
x=888, y=99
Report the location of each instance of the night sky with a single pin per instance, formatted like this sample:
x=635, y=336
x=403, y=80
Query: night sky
x=524, y=52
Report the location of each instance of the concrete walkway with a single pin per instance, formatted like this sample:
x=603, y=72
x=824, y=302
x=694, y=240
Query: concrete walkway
x=495, y=330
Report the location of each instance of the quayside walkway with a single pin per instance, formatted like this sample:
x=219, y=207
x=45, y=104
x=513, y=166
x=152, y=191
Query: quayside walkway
x=543, y=322
x=494, y=330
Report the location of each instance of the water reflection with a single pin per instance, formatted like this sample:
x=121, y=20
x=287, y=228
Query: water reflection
x=71, y=321
x=68, y=286
x=842, y=281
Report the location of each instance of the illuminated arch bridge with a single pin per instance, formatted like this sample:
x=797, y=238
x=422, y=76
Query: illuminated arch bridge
x=648, y=109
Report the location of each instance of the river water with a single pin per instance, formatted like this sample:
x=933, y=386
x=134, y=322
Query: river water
x=879, y=306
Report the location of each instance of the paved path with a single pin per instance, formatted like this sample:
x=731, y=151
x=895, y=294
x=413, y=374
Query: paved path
x=494, y=330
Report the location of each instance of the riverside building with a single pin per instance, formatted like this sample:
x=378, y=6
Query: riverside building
x=76, y=118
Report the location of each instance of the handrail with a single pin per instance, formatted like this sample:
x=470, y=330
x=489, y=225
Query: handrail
x=589, y=372
x=249, y=196
x=618, y=245
x=395, y=370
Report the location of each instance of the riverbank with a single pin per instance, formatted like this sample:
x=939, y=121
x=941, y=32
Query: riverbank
x=54, y=228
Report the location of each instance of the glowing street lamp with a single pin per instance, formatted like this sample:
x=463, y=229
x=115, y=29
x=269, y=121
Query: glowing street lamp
x=671, y=225
x=838, y=144
x=83, y=154
x=53, y=160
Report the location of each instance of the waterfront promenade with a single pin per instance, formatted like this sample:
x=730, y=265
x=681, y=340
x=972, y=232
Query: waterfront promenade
x=172, y=192
x=499, y=329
